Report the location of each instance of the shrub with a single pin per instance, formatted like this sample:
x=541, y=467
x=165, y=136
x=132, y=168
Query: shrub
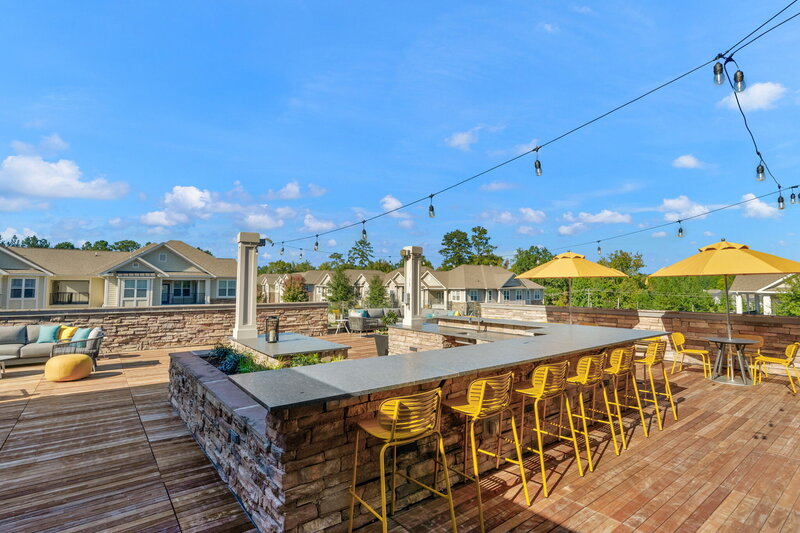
x=390, y=318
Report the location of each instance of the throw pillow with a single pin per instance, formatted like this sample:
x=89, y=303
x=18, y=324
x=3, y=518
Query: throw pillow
x=364, y=313
x=48, y=333
x=81, y=335
x=456, y=314
x=66, y=332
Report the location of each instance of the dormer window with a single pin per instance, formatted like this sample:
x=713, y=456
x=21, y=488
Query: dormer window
x=135, y=264
x=162, y=257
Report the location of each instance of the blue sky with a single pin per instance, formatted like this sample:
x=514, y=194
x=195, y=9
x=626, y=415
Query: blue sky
x=195, y=120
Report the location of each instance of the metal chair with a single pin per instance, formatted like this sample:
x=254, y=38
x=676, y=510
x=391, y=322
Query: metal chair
x=679, y=342
x=620, y=370
x=655, y=356
x=402, y=420
x=752, y=351
x=549, y=382
x=589, y=374
x=760, y=364
x=486, y=398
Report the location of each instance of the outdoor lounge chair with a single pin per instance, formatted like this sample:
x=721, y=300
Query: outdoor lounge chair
x=90, y=347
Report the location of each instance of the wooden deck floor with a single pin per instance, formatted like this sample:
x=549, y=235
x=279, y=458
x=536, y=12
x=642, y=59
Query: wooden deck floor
x=108, y=454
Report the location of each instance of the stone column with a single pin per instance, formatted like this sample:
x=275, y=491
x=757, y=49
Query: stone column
x=246, y=278
x=413, y=290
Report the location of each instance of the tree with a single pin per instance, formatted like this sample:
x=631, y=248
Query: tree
x=98, y=246
x=335, y=260
x=383, y=265
x=125, y=246
x=360, y=254
x=482, y=249
x=33, y=241
x=525, y=260
x=456, y=249
x=377, y=293
x=13, y=241
x=789, y=302
x=66, y=245
x=340, y=290
x=294, y=289
x=202, y=250
x=277, y=267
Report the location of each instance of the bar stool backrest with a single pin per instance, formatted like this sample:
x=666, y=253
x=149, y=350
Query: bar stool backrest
x=621, y=359
x=409, y=416
x=549, y=380
x=791, y=352
x=590, y=368
x=678, y=340
x=655, y=352
x=490, y=395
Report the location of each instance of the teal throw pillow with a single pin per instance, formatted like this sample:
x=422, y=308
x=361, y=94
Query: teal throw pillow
x=48, y=333
x=364, y=313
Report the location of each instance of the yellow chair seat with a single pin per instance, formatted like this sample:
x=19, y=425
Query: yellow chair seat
x=768, y=359
x=695, y=351
x=68, y=367
x=376, y=429
x=535, y=392
x=575, y=379
x=462, y=406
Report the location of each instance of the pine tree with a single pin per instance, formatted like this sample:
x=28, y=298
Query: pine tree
x=360, y=254
x=377, y=293
x=456, y=249
x=340, y=290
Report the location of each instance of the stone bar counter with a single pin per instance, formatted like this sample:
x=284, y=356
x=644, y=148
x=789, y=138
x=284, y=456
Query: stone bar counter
x=283, y=439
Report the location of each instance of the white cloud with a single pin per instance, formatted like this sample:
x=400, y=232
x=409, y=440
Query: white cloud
x=463, y=140
x=163, y=218
x=522, y=148
x=605, y=216
x=529, y=230
x=115, y=222
x=548, y=27
x=30, y=175
x=659, y=234
x=21, y=234
x=407, y=223
x=185, y=203
x=532, y=215
x=495, y=186
x=499, y=217
x=13, y=204
x=755, y=208
x=572, y=229
x=688, y=161
x=315, y=191
x=708, y=233
x=48, y=145
x=389, y=202
x=290, y=191
x=313, y=224
x=285, y=212
x=681, y=208
x=757, y=96
x=331, y=242
x=262, y=221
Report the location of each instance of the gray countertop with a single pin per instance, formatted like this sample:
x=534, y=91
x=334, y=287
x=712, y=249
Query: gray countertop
x=292, y=387
x=290, y=344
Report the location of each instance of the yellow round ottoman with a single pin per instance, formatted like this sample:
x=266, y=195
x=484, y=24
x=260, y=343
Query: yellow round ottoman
x=68, y=367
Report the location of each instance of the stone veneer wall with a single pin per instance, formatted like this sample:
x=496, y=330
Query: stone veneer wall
x=292, y=472
x=144, y=328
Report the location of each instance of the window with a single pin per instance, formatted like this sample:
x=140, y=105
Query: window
x=22, y=288
x=537, y=294
x=162, y=257
x=135, y=264
x=226, y=288
x=455, y=296
x=135, y=292
x=506, y=295
x=520, y=295
x=488, y=296
x=473, y=295
x=182, y=288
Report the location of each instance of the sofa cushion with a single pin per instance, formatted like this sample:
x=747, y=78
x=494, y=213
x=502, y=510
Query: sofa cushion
x=12, y=335
x=36, y=349
x=48, y=334
x=10, y=349
x=96, y=332
x=375, y=313
x=66, y=332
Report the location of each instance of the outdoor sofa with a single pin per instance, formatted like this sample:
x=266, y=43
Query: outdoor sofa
x=19, y=345
x=361, y=320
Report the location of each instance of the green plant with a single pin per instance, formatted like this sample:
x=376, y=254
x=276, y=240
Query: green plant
x=305, y=359
x=247, y=365
x=390, y=318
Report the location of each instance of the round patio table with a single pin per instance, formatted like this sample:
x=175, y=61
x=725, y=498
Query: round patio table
x=731, y=360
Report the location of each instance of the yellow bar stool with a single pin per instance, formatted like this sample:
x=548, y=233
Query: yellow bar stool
x=679, y=342
x=402, y=420
x=486, y=398
x=549, y=382
x=620, y=370
x=760, y=364
x=589, y=374
x=655, y=356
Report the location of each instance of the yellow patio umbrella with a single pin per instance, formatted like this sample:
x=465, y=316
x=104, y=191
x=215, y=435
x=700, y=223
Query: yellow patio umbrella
x=728, y=259
x=568, y=266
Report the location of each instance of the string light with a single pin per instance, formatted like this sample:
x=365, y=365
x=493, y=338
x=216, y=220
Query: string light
x=718, y=71
x=599, y=250
x=760, y=172
x=281, y=248
x=537, y=164
x=364, y=230
x=793, y=198
x=738, y=81
x=431, y=210
x=680, y=230
x=316, y=243
x=781, y=203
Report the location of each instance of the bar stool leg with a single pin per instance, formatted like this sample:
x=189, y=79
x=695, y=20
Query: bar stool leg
x=668, y=390
x=394, y=478
x=540, y=450
x=382, y=465
x=585, y=430
x=655, y=396
x=449, y=491
x=353, y=485
x=519, y=460
x=476, y=470
x=641, y=411
x=572, y=433
x=615, y=384
x=610, y=418
x=499, y=438
x=522, y=422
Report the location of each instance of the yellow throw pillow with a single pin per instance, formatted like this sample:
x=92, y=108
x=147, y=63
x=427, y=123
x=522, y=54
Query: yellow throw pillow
x=456, y=314
x=66, y=332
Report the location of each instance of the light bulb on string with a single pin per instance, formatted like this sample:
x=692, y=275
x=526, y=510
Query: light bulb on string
x=281, y=248
x=301, y=253
x=718, y=71
x=538, y=165
x=760, y=172
x=738, y=81
x=793, y=198
x=431, y=210
x=599, y=250
x=680, y=230
x=781, y=202
x=316, y=243
x=364, y=230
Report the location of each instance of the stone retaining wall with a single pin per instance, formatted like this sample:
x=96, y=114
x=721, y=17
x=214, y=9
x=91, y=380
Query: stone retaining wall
x=145, y=328
x=292, y=470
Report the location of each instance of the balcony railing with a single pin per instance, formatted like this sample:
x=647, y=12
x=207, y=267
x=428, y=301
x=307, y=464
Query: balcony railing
x=197, y=298
x=69, y=298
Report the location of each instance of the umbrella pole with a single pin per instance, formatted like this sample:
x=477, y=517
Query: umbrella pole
x=727, y=308
x=569, y=298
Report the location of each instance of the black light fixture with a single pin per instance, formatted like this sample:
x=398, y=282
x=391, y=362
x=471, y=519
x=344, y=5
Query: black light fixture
x=680, y=229
x=364, y=229
x=431, y=210
x=738, y=81
x=793, y=198
x=301, y=253
x=718, y=71
x=599, y=250
x=760, y=172
x=281, y=248
x=316, y=243
x=781, y=202
x=538, y=165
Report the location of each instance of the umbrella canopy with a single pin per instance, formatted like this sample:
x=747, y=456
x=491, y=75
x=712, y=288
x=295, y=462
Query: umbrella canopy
x=728, y=259
x=568, y=266
x=571, y=265
x=731, y=259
